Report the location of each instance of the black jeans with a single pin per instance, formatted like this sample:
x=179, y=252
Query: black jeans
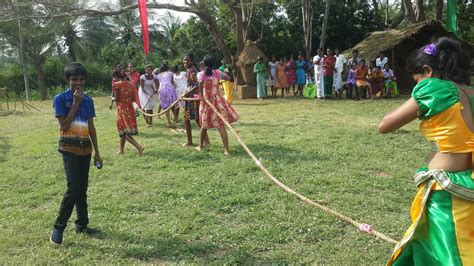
x=77, y=177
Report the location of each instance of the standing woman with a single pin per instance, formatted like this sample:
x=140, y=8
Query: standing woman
x=181, y=83
x=300, y=74
x=442, y=211
x=148, y=93
x=272, y=66
x=134, y=77
x=167, y=92
x=209, y=90
x=259, y=70
x=227, y=84
x=124, y=95
x=329, y=67
x=291, y=74
x=339, y=68
x=281, y=82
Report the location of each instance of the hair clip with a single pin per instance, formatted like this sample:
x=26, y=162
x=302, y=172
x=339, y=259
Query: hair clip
x=430, y=49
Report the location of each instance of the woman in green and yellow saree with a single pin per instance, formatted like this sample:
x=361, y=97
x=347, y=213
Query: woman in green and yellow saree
x=442, y=212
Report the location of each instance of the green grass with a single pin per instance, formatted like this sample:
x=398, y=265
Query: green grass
x=176, y=205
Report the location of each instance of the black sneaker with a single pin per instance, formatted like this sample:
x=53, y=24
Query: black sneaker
x=86, y=230
x=56, y=237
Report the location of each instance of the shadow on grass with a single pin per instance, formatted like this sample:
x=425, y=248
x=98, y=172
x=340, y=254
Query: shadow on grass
x=260, y=103
x=151, y=134
x=163, y=250
x=268, y=152
x=281, y=153
x=5, y=146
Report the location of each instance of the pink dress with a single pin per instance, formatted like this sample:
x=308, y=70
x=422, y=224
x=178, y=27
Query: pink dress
x=207, y=116
x=291, y=73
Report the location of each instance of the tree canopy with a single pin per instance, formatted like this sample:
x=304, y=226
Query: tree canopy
x=102, y=36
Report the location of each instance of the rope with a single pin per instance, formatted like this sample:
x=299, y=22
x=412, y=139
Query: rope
x=361, y=226
x=165, y=110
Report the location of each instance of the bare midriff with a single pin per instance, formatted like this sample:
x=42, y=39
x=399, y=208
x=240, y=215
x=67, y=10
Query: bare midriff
x=451, y=162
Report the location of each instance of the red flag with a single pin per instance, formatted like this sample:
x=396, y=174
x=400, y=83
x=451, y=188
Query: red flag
x=144, y=22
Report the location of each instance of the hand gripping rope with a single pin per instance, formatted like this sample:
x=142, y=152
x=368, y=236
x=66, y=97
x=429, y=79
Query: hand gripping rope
x=366, y=228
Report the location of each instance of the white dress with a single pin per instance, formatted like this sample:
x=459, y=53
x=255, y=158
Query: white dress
x=273, y=75
x=340, y=61
x=318, y=75
x=181, y=83
x=148, y=94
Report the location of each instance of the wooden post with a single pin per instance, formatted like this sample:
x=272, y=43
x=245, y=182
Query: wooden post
x=22, y=54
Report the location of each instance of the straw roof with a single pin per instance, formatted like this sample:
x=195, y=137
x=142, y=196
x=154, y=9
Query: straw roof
x=249, y=54
x=380, y=41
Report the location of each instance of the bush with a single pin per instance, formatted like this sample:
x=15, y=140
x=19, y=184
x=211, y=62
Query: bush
x=54, y=72
x=11, y=77
x=98, y=76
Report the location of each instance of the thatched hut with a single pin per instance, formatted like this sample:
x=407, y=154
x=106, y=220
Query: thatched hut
x=398, y=44
x=246, y=61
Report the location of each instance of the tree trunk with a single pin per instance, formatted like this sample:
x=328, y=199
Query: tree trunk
x=376, y=8
x=41, y=80
x=325, y=24
x=420, y=11
x=307, y=12
x=242, y=34
x=439, y=10
x=377, y=16
x=409, y=13
x=239, y=24
x=399, y=17
x=387, y=13
x=215, y=34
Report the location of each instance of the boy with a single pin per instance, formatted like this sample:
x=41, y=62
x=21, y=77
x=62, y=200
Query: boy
x=77, y=136
x=391, y=87
x=318, y=73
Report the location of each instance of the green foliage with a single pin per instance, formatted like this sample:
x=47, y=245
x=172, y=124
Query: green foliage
x=357, y=16
x=104, y=42
x=466, y=20
x=194, y=38
x=11, y=77
x=98, y=75
x=54, y=69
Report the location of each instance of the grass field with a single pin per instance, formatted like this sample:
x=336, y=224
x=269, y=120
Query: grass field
x=176, y=205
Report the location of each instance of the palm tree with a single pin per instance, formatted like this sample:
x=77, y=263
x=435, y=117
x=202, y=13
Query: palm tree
x=168, y=26
x=126, y=28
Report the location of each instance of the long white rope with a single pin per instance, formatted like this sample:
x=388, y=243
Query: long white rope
x=366, y=228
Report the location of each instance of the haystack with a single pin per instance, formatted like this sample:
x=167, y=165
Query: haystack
x=247, y=59
x=398, y=44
